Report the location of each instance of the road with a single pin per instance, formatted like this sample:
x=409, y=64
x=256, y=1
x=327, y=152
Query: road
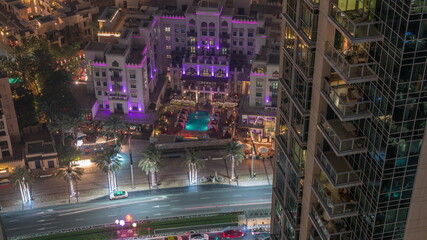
x=151, y=204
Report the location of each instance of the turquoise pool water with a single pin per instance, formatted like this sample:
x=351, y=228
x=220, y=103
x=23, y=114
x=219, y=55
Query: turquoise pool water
x=197, y=121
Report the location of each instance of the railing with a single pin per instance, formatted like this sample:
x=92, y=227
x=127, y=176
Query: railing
x=358, y=24
x=342, y=145
x=117, y=87
x=350, y=72
x=116, y=79
x=323, y=231
x=338, y=178
x=334, y=209
x=359, y=108
x=281, y=141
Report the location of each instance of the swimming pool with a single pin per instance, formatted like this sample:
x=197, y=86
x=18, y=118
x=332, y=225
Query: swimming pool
x=197, y=121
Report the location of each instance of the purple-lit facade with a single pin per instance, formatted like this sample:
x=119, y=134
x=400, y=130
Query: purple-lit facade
x=197, y=49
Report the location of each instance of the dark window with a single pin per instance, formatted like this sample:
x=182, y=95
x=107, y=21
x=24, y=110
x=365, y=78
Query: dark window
x=98, y=84
x=104, y=84
x=250, y=34
x=97, y=74
x=104, y=74
x=135, y=108
x=99, y=93
x=250, y=43
x=115, y=64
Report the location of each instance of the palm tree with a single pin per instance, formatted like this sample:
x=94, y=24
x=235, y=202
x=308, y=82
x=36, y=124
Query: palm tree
x=63, y=123
x=114, y=124
x=150, y=162
x=194, y=163
x=71, y=174
x=22, y=178
x=107, y=162
x=235, y=154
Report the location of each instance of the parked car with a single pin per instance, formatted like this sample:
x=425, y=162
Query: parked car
x=232, y=233
x=198, y=236
x=257, y=231
x=173, y=238
x=118, y=195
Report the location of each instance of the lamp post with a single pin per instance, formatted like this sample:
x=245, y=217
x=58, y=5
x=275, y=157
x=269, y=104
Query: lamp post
x=253, y=155
x=131, y=164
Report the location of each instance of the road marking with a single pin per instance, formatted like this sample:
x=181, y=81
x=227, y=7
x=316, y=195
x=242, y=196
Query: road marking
x=104, y=207
x=112, y=215
x=79, y=219
x=237, y=195
x=267, y=193
x=167, y=205
x=230, y=205
x=45, y=220
x=176, y=200
x=12, y=229
x=156, y=206
x=42, y=229
x=205, y=198
x=44, y=224
x=143, y=211
x=158, y=214
x=14, y=220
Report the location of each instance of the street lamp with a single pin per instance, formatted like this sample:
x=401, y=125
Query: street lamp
x=131, y=164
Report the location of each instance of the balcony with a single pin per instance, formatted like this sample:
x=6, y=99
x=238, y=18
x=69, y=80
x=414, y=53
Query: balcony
x=116, y=79
x=329, y=230
x=348, y=101
x=338, y=203
x=358, y=25
x=117, y=88
x=337, y=170
x=351, y=65
x=341, y=136
x=117, y=96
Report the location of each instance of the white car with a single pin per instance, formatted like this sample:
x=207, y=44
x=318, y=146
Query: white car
x=198, y=236
x=118, y=195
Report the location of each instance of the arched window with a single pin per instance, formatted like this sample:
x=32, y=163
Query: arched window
x=224, y=24
x=190, y=71
x=204, y=25
x=115, y=64
x=211, y=25
x=206, y=72
x=220, y=73
x=192, y=22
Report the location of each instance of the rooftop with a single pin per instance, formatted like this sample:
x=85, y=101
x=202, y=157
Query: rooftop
x=244, y=108
x=135, y=56
x=96, y=46
x=85, y=99
x=19, y=5
x=108, y=13
x=46, y=19
x=117, y=49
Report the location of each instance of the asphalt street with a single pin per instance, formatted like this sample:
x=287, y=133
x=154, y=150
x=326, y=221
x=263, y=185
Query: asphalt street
x=151, y=204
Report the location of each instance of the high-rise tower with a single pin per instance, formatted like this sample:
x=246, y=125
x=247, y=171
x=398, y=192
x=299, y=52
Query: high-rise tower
x=351, y=120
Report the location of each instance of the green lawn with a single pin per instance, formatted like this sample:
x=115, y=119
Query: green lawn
x=110, y=232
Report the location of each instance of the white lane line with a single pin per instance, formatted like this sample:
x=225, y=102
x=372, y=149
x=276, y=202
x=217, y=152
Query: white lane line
x=79, y=219
x=167, y=205
x=237, y=195
x=45, y=220
x=205, y=198
x=44, y=224
x=176, y=200
x=73, y=211
x=157, y=214
x=267, y=193
x=156, y=206
x=12, y=229
x=112, y=215
x=42, y=229
x=143, y=211
x=14, y=220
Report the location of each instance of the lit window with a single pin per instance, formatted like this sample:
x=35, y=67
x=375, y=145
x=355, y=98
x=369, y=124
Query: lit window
x=168, y=47
x=167, y=29
x=132, y=85
x=193, y=49
x=168, y=56
x=133, y=95
x=167, y=38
